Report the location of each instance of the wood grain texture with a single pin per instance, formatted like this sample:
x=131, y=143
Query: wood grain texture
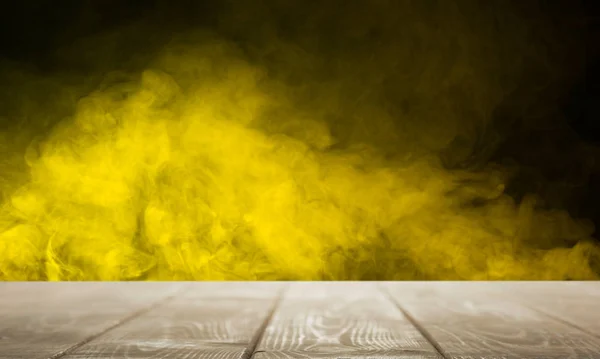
x=356, y=355
x=208, y=321
x=38, y=320
x=470, y=320
x=340, y=320
x=575, y=303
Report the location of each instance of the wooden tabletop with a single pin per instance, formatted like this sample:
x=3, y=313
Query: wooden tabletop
x=268, y=320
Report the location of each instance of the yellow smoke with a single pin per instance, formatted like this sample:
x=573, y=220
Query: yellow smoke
x=223, y=163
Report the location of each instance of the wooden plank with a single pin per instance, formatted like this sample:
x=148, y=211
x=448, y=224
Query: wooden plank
x=209, y=320
x=232, y=290
x=38, y=320
x=340, y=320
x=484, y=320
x=354, y=355
x=468, y=320
x=574, y=303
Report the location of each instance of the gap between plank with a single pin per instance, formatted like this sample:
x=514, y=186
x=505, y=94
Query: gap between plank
x=120, y=322
x=545, y=313
x=414, y=322
x=560, y=320
x=263, y=327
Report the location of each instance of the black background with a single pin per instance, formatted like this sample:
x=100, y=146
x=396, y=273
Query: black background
x=30, y=31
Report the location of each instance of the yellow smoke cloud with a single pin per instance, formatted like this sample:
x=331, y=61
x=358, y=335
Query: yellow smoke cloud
x=224, y=163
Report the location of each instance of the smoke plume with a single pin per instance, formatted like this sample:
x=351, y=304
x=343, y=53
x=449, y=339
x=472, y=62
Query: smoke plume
x=322, y=140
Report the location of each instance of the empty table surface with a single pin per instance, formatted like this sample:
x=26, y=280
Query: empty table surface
x=264, y=320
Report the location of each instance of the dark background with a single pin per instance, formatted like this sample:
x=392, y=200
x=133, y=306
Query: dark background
x=32, y=31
